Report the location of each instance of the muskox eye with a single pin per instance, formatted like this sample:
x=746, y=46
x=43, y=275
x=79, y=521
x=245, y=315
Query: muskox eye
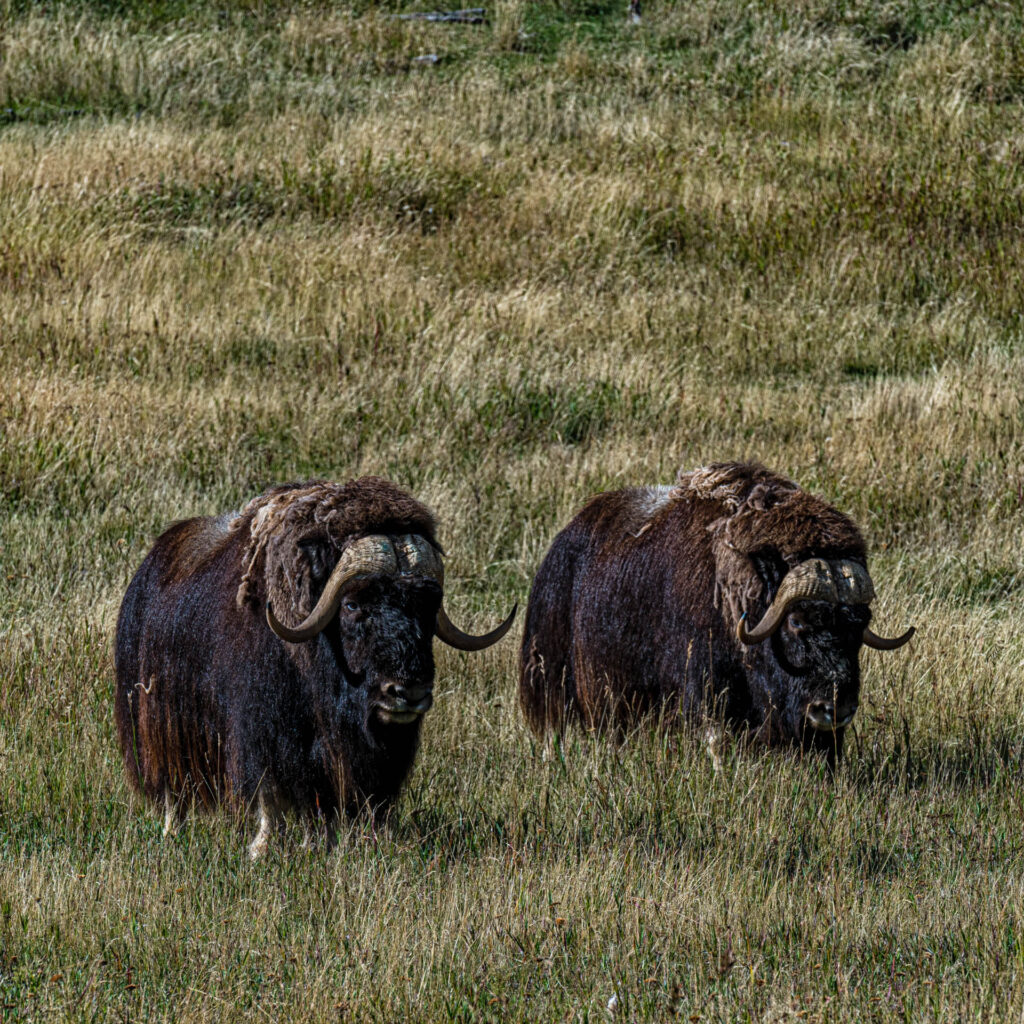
x=798, y=624
x=350, y=606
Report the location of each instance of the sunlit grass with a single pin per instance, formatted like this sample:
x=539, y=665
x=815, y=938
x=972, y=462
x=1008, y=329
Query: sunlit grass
x=247, y=243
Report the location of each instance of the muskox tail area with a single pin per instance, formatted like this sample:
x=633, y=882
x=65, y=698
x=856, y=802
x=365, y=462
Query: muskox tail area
x=547, y=687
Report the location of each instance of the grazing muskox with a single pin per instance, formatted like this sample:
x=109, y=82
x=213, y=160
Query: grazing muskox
x=644, y=602
x=218, y=699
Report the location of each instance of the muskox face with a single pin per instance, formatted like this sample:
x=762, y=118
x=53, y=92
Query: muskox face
x=382, y=641
x=816, y=650
x=378, y=607
x=816, y=623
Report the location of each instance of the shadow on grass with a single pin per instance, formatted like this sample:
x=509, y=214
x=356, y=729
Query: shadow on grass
x=978, y=761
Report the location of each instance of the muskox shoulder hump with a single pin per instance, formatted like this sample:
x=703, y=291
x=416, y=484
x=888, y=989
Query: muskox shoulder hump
x=368, y=504
x=186, y=545
x=760, y=510
x=735, y=484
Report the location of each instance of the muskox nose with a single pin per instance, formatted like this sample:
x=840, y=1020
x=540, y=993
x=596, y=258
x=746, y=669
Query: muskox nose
x=406, y=693
x=822, y=714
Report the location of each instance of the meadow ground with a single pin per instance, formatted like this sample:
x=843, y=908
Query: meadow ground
x=245, y=242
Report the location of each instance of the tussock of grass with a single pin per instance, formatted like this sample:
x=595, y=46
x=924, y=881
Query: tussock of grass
x=244, y=243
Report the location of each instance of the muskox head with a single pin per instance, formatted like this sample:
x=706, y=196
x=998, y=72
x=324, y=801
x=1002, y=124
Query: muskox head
x=350, y=580
x=794, y=564
x=815, y=626
x=379, y=608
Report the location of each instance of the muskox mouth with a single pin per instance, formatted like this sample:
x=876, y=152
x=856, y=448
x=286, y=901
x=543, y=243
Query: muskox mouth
x=401, y=712
x=823, y=716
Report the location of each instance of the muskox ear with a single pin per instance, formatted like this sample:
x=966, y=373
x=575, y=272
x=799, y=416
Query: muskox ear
x=295, y=570
x=770, y=568
x=315, y=551
x=747, y=575
x=745, y=582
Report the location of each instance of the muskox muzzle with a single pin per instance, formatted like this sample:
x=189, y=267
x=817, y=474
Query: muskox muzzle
x=823, y=715
x=388, y=556
x=840, y=582
x=401, y=704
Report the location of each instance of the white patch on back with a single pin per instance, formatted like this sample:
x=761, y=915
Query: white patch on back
x=650, y=500
x=647, y=502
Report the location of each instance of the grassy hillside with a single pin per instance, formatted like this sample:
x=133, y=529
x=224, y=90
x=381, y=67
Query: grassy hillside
x=248, y=242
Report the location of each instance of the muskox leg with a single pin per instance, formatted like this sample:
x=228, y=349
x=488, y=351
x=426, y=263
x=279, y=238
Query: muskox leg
x=714, y=740
x=311, y=834
x=318, y=831
x=271, y=817
x=174, y=812
x=552, y=746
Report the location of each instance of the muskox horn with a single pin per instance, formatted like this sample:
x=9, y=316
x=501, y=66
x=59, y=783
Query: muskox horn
x=454, y=637
x=416, y=554
x=854, y=587
x=812, y=580
x=367, y=555
x=852, y=582
x=881, y=643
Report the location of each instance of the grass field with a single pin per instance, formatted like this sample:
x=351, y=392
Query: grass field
x=247, y=242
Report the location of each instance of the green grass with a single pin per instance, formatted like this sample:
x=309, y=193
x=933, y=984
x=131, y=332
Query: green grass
x=242, y=243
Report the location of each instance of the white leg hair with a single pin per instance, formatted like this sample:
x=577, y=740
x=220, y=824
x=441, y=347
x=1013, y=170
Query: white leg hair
x=172, y=813
x=714, y=740
x=270, y=818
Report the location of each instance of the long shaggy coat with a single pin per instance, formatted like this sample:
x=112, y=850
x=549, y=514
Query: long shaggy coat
x=211, y=706
x=635, y=606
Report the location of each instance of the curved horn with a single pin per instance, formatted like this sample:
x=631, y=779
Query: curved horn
x=855, y=587
x=454, y=637
x=419, y=555
x=367, y=555
x=881, y=643
x=812, y=580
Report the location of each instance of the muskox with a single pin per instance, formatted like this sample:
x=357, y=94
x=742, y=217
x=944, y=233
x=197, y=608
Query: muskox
x=280, y=657
x=644, y=604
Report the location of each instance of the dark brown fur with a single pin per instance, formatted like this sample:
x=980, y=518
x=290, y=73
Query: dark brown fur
x=635, y=606
x=211, y=705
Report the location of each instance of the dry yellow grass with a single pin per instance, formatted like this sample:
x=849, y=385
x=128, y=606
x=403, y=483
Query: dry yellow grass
x=254, y=242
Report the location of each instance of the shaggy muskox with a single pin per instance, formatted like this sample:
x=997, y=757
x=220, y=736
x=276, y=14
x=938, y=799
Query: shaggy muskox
x=218, y=699
x=644, y=602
